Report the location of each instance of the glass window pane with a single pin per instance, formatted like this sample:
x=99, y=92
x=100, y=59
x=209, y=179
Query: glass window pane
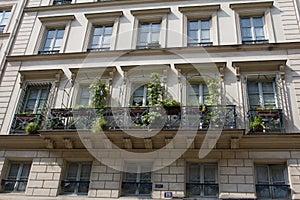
x=60, y=33
x=72, y=171
x=25, y=171
x=205, y=24
x=85, y=171
x=209, y=174
x=259, y=33
x=194, y=173
x=155, y=38
x=193, y=25
x=193, y=35
x=245, y=22
x=205, y=35
x=13, y=171
x=144, y=28
x=98, y=31
x=51, y=34
x=58, y=43
x=106, y=39
x=262, y=175
x=246, y=33
x=108, y=30
x=155, y=28
x=277, y=173
x=143, y=38
x=258, y=22
x=252, y=87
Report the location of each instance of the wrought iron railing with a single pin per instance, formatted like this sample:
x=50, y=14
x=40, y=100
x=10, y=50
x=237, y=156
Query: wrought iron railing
x=202, y=189
x=136, y=188
x=62, y=2
x=20, y=122
x=149, y=46
x=49, y=52
x=255, y=41
x=169, y=118
x=14, y=185
x=271, y=121
x=2, y=29
x=195, y=44
x=273, y=191
x=75, y=187
x=97, y=49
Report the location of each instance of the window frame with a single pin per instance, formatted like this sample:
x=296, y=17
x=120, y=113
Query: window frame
x=254, y=39
x=102, y=37
x=3, y=28
x=18, y=177
x=79, y=94
x=139, y=172
x=150, y=43
x=201, y=167
x=199, y=33
x=52, y=44
x=201, y=96
x=78, y=178
x=145, y=96
x=271, y=182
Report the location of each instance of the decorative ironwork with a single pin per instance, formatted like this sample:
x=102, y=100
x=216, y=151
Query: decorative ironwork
x=79, y=187
x=10, y=185
x=272, y=120
x=171, y=118
x=97, y=49
x=62, y=2
x=255, y=41
x=196, y=44
x=2, y=29
x=20, y=121
x=49, y=52
x=273, y=191
x=202, y=189
x=136, y=188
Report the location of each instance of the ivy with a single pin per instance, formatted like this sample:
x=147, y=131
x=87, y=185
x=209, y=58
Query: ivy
x=99, y=92
x=154, y=90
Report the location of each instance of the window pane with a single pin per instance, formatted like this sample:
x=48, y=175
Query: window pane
x=246, y=32
x=13, y=171
x=98, y=31
x=245, y=22
x=258, y=22
x=209, y=174
x=72, y=171
x=277, y=173
x=194, y=173
x=259, y=33
x=51, y=34
x=205, y=24
x=85, y=171
x=205, y=35
x=193, y=36
x=60, y=33
x=144, y=28
x=262, y=175
x=155, y=38
x=155, y=28
x=108, y=30
x=193, y=25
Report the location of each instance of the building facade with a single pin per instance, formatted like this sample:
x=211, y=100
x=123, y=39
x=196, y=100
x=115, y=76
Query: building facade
x=149, y=99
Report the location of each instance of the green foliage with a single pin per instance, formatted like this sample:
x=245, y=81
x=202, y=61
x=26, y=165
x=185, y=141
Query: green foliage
x=154, y=90
x=99, y=92
x=169, y=103
x=214, y=91
x=257, y=122
x=98, y=125
x=32, y=128
x=150, y=117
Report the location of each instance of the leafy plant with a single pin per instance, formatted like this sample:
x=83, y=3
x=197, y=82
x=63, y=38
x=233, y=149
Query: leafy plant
x=99, y=124
x=32, y=128
x=169, y=103
x=150, y=117
x=99, y=92
x=214, y=91
x=257, y=124
x=154, y=90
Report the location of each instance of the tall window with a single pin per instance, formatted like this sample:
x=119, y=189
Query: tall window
x=199, y=32
x=202, y=180
x=262, y=94
x=101, y=38
x=84, y=96
x=36, y=98
x=17, y=177
x=252, y=29
x=77, y=178
x=137, y=180
x=197, y=94
x=53, y=41
x=62, y=2
x=149, y=35
x=139, y=96
x=4, y=16
x=271, y=182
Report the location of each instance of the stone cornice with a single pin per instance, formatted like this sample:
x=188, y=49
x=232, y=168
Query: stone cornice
x=153, y=52
x=104, y=15
x=254, y=5
x=210, y=8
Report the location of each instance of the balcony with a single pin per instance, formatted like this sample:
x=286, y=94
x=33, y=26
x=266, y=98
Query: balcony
x=154, y=45
x=62, y=2
x=196, y=44
x=49, y=52
x=255, y=41
x=266, y=121
x=20, y=122
x=273, y=191
x=125, y=118
x=97, y=49
x=202, y=189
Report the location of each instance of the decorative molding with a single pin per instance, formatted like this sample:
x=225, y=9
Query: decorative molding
x=237, y=72
x=49, y=143
x=104, y=15
x=68, y=143
x=148, y=143
x=235, y=143
x=57, y=18
x=199, y=9
x=282, y=71
x=160, y=11
x=127, y=143
x=254, y=5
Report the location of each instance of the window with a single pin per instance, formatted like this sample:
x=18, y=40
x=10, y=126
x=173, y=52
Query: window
x=262, y=94
x=197, y=94
x=139, y=96
x=17, y=177
x=101, y=38
x=199, y=32
x=62, y=2
x=202, y=180
x=84, y=96
x=77, y=178
x=149, y=35
x=252, y=29
x=137, y=180
x=271, y=182
x=53, y=41
x=4, y=16
x=36, y=98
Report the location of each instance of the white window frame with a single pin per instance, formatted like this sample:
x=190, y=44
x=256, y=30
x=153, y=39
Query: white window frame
x=38, y=97
x=254, y=39
x=2, y=19
x=144, y=100
x=200, y=90
x=199, y=41
x=54, y=39
x=82, y=87
x=150, y=32
x=201, y=168
x=20, y=170
x=78, y=173
x=138, y=174
x=261, y=93
x=102, y=37
x=270, y=177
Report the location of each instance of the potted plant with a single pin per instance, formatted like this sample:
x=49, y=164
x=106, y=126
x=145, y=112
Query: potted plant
x=172, y=107
x=257, y=125
x=99, y=124
x=32, y=128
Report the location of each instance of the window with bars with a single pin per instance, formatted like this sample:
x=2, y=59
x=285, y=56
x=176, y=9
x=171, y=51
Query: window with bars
x=101, y=38
x=4, y=16
x=137, y=180
x=199, y=32
x=271, y=182
x=53, y=41
x=17, y=177
x=252, y=29
x=77, y=178
x=202, y=180
x=139, y=96
x=262, y=94
x=197, y=94
x=149, y=35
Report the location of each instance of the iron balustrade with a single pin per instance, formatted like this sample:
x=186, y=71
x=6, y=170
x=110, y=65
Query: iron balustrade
x=255, y=41
x=49, y=52
x=20, y=122
x=136, y=188
x=196, y=44
x=202, y=189
x=163, y=118
x=14, y=185
x=62, y=2
x=2, y=29
x=272, y=120
x=78, y=187
x=97, y=49
x=273, y=191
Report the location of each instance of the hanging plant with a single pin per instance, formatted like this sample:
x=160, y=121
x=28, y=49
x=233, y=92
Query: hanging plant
x=154, y=90
x=99, y=92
